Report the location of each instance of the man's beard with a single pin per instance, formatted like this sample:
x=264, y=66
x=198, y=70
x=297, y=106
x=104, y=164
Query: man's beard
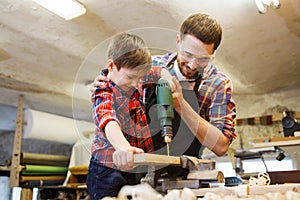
x=194, y=75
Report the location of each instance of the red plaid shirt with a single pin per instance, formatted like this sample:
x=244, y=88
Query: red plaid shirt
x=111, y=103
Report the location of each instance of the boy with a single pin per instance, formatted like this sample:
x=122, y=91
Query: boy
x=122, y=128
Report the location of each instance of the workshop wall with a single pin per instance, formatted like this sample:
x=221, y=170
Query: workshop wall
x=30, y=145
x=248, y=105
x=247, y=133
x=263, y=126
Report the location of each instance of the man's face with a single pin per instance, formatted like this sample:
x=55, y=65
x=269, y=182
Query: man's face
x=193, y=55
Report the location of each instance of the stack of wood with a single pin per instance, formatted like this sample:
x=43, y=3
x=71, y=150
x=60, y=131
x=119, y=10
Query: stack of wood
x=78, y=176
x=42, y=169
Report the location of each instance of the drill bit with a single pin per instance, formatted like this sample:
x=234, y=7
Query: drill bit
x=168, y=149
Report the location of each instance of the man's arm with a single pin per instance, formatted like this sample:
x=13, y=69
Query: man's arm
x=207, y=134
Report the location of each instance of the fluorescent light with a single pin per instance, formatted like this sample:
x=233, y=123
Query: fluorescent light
x=276, y=3
x=260, y=6
x=67, y=9
x=263, y=4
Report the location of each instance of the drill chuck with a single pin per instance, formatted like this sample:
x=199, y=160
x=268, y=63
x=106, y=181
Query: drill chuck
x=167, y=133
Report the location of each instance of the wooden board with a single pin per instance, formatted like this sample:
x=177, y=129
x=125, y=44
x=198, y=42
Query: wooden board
x=281, y=188
x=37, y=178
x=241, y=191
x=264, y=120
x=79, y=170
x=265, y=139
x=155, y=159
x=207, y=175
x=246, y=190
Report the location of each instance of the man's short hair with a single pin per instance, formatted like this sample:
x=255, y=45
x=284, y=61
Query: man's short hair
x=203, y=27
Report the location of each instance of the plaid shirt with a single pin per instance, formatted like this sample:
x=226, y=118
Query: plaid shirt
x=214, y=98
x=110, y=103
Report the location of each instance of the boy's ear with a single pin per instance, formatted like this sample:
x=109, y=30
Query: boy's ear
x=110, y=64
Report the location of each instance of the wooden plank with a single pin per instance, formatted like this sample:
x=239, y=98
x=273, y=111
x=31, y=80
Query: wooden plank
x=79, y=170
x=264, y=120
x=44, y=157
x=297, y=115
x=247, y=191
x=26, y=193
x=207, y=175
x=281, y=139
x=277, y=117
x=278, y=143
x=16, y=155
x=256, y=120
x=37, y=178
x=257, y=190
x=280, y=177
x=155, y=159
x=240, y=191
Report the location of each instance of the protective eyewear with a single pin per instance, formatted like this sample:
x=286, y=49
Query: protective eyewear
x=201, y=60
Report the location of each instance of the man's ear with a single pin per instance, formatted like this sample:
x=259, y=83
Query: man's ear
x=110, y=64
x=177, y=39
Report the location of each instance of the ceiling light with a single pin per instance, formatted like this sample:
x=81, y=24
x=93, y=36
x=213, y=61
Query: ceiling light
x=263, y=4
x=67, y=9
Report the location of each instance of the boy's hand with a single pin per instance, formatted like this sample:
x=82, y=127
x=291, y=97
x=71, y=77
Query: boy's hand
x=97, y=82
x=123, y=159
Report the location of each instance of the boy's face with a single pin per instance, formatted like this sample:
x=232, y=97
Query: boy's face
x=126, y=78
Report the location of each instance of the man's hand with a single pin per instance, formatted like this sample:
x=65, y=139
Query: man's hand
x=177, y=93
x=165, y=74
x=123, y=159
x=97, y=82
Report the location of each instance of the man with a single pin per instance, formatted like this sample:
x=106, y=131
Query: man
x=210, y=118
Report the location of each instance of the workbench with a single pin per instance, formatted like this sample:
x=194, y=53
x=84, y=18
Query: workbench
x=290, y=145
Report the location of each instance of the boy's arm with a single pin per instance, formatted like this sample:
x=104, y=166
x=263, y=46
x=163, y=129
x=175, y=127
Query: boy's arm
x=123, y=156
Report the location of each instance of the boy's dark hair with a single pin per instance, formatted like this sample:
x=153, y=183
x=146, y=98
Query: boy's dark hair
x=129, y=51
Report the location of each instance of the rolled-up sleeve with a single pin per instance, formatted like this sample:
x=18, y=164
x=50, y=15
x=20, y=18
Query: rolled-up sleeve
x=103, y=111
x=222, y=111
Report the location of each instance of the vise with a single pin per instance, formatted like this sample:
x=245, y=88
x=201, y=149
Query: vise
x=200, y=173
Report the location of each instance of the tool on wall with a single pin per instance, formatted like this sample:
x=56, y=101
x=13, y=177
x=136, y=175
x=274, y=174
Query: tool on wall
x=289, y=124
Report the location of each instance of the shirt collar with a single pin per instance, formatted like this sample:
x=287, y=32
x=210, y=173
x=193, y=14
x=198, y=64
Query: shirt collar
x=177, y=72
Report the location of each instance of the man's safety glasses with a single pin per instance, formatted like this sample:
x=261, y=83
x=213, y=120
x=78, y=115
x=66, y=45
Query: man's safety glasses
x=201, y=60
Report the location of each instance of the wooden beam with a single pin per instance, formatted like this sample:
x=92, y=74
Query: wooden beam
x=247, y=191
x=212, y=175
x=16, y=155
x=43, y=178
x=155, y=159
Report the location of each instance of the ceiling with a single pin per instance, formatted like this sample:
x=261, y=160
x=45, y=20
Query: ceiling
x=51, y=61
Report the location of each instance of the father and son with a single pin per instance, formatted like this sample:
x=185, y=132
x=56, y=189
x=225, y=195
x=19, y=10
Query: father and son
x=124, y=99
